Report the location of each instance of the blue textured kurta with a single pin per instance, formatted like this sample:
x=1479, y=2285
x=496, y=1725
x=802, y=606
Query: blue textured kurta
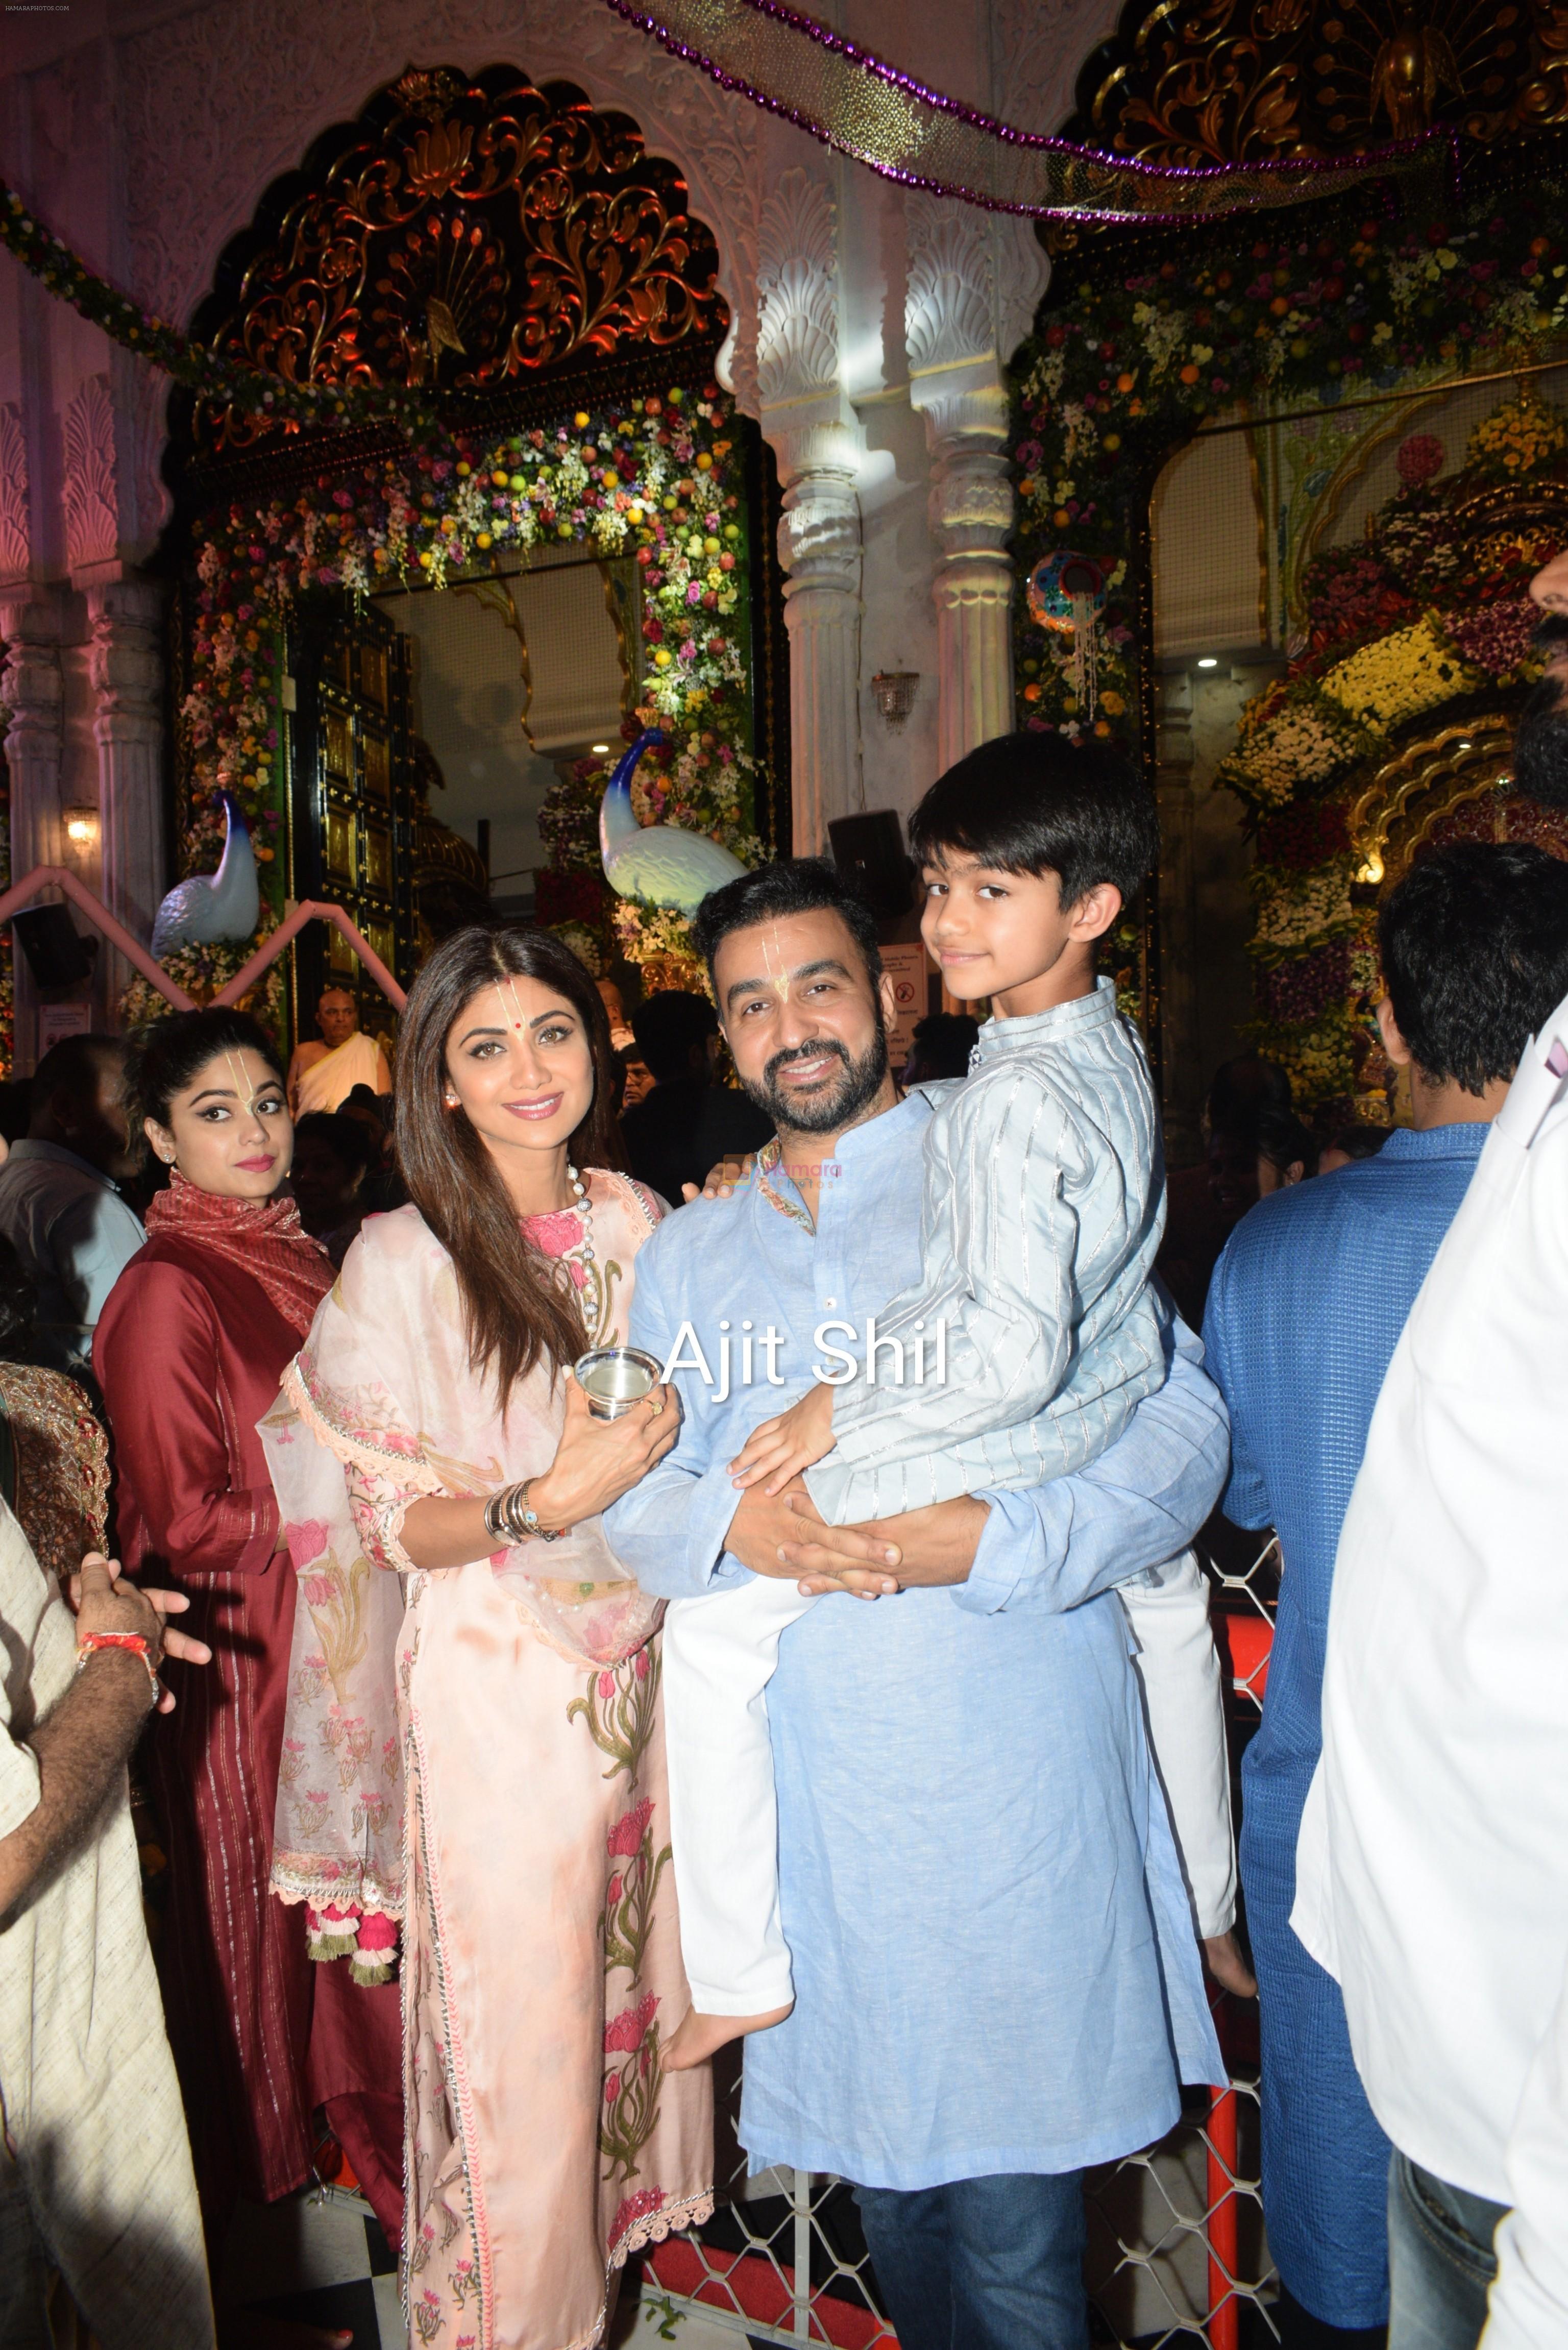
x=994, y=1957
x=1304, y=1311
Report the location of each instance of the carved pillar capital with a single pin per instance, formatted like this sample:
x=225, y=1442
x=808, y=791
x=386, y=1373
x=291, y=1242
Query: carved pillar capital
x=970, y=512
x=125, y=659
x=31, y=688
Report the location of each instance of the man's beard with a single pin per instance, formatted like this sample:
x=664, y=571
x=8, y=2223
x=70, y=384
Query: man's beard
x=859, y=1085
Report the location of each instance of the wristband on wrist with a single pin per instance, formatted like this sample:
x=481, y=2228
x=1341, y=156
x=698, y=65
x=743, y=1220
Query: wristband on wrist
x=90, y=1643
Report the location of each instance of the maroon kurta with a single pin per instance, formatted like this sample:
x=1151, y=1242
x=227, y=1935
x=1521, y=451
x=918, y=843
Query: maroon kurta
x=189, y=1353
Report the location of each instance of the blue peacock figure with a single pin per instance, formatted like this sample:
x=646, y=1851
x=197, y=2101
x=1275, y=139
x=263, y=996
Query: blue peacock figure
x=659, y=862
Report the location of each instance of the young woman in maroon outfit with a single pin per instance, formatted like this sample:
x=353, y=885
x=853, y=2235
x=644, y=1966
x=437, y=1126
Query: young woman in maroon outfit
x=189, y=1353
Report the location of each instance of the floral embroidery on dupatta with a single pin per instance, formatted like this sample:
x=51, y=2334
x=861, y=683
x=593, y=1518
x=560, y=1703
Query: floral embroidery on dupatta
x=619, y=1710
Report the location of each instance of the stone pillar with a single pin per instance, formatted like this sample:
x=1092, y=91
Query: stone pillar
x=971, y=509
x=955, y=332
x=819, y=548
x=819, y=447
x=125, y=667
x=31, y=688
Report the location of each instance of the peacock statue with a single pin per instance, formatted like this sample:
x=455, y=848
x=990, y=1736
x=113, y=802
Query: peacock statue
x=659, y=862
x=210, y=907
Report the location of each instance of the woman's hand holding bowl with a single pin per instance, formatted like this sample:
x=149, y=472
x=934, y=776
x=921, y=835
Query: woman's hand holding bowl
x=598, y=1461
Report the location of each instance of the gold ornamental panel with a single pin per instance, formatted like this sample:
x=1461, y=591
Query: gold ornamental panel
x=466, y=234
x=377, y=754
x=338, y=727
x=1416, y=792
x=373, y=675
x=378, y=873
x=338, y=845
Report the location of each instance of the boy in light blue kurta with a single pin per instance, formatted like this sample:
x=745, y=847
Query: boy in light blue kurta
x=1021, y=1352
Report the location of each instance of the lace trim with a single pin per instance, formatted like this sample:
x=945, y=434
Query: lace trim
x=625, y=1183
x=653, y=2230
x=305, y=1876
x=458, y=2084
x=356, y=1451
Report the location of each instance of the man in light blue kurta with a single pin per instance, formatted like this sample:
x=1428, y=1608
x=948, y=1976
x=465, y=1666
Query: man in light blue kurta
x=993, y=1958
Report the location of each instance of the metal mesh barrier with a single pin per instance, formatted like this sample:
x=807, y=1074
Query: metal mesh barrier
x=1176, y=2253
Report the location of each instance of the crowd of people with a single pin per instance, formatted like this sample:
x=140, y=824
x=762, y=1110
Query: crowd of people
x=852, y=1691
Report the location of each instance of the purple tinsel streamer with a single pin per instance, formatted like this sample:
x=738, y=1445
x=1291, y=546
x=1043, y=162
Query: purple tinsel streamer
x=770, y=54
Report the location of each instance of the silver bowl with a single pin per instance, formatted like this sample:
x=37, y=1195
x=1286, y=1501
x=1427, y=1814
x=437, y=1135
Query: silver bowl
x=615, y=1377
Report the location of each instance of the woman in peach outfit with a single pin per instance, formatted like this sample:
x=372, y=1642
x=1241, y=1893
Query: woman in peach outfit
x=479, y=1753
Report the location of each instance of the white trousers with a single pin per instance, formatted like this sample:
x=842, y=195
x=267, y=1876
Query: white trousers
x=720, y=1652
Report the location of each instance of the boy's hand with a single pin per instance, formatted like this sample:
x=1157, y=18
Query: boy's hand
x=780, y=1448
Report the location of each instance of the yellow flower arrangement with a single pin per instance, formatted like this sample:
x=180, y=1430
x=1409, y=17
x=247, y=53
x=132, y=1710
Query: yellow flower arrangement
x=1398, y=676
x=1517, y=437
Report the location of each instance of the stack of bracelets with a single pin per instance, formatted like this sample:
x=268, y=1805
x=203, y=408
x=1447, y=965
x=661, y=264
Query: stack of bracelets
x=510, y=1517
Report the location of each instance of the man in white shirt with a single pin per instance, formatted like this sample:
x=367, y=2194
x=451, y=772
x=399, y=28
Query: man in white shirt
x=60, y=1206
x=1432, y=1868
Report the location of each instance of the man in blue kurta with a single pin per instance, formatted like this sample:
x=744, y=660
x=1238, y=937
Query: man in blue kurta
x=1304, y=1311
x=996, y=1978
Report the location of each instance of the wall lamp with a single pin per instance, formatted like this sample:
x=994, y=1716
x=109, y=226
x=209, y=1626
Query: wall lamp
x=81, y=826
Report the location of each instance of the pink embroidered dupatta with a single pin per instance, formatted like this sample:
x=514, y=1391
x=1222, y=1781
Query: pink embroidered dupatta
x=381, y=1406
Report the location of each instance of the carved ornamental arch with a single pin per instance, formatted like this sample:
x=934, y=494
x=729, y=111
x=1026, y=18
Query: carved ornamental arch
x=1199, y=82
x=470, y=235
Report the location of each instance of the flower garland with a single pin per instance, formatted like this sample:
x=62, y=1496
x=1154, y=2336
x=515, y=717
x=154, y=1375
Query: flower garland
x=227, y=381
x=1308, y=742
x=657, y=479
x=1122, y=369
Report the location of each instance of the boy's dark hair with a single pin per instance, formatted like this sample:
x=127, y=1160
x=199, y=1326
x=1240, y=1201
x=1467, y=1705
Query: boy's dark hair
x=667, y=1026
x=795, y=885
x=1041, y=802
x=1474, y=942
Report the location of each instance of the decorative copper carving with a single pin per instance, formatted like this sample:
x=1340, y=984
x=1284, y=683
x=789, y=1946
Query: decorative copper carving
x=469, y=234
x=1221, y=81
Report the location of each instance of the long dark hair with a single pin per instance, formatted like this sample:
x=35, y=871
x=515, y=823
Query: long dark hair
x=518, y=1309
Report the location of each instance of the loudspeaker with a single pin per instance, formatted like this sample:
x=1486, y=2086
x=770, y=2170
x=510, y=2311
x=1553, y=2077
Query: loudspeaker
x=57, y=956
x=870, y=853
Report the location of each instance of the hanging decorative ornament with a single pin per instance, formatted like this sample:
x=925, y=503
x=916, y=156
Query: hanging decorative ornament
x=1066, y=595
